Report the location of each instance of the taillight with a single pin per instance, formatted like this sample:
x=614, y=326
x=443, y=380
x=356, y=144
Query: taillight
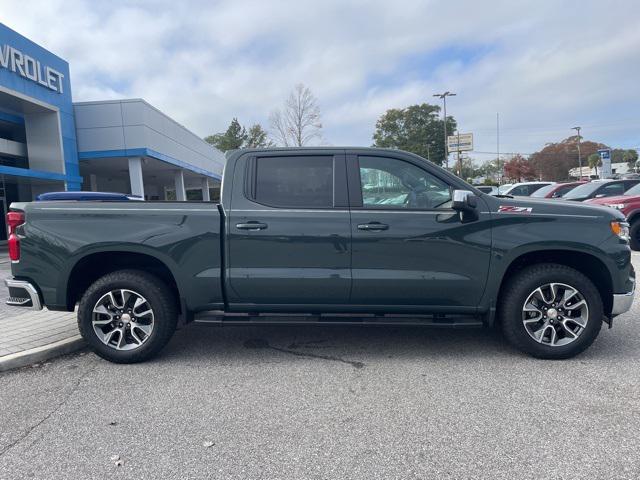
x=14, y=220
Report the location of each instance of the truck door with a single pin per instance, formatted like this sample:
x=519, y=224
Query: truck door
x=289, y=232
x=409, y=247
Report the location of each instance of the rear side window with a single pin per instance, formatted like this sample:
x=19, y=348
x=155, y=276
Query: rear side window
x=296, y=181
x=611, y=190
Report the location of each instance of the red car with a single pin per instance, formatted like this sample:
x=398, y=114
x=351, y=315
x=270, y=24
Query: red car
x=629, y=205
x=556, y=190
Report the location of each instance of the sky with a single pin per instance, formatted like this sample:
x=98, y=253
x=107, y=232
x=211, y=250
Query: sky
x=544, y=66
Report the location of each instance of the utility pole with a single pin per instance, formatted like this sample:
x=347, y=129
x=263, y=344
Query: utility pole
x=500, y=172
x=444, y=96
x=459, y=161
x=577, y=129
x=429, y=149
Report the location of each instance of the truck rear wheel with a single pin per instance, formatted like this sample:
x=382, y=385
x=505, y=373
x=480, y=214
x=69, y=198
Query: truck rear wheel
x=550, y=311
x=127, y=316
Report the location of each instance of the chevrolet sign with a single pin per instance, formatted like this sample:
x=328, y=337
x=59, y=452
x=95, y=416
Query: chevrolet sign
x=30, y=68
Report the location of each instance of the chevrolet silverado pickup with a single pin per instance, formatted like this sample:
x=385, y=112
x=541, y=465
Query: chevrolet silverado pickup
x=325, y=236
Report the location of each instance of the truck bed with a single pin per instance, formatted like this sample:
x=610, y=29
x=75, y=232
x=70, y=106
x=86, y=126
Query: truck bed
x=58, y=238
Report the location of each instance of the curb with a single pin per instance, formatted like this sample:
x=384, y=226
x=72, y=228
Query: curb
x=34, y=355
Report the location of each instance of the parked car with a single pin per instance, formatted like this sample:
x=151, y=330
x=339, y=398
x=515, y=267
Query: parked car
x=333, y=235
x=504, y=187
x=600, y=189
x=488, y=189
x=88, y=196
x=629, y=205
x=556, y=190
x=525, y=189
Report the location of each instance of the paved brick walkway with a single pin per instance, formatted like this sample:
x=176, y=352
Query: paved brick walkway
x=29, y=334
x=35, y=329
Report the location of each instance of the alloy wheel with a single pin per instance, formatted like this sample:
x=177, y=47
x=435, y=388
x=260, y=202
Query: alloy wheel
x=122, y=319
x=555, y=314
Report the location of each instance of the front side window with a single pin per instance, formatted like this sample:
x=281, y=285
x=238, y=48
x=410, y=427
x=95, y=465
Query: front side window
x=393, y=183
x=296, y=181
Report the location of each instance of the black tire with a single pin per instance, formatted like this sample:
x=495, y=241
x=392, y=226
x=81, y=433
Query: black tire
x=159, y=297
x=516, y=291
x=634, y=234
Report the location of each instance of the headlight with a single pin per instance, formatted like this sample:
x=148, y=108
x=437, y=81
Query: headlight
x=617, y=206
x=620, y=229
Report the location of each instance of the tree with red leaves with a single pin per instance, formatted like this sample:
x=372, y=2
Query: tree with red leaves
x=519, y=169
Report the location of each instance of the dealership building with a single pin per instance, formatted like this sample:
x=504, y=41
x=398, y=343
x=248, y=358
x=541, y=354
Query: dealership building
x=49, y=143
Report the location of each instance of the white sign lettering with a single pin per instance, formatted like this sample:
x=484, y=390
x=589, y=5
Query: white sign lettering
x=30, y=68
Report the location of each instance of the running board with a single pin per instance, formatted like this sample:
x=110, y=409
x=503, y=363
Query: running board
x=434, y=320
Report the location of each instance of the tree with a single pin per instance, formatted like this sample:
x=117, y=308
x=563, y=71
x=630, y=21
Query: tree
x=620, y=155
x=631, y=157
x=519, y=169
x=234, y=137
x=417, y=129
x=492, y=170
x=594, y=161
x=469, y=169
x=298, y=122
x=257, y=137
x=555, y=160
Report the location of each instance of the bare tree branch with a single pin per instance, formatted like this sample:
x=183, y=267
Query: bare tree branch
x=298, y=123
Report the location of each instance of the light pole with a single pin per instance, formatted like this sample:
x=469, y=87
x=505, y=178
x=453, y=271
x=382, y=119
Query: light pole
x=577, y=129
x=444, y=96
x=429, y=149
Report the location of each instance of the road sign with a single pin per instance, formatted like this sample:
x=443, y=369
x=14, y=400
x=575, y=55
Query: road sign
x=462, y=142
x=605, y=159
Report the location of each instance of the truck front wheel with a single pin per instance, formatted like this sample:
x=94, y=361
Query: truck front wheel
x=127, y=316
x=550, y=311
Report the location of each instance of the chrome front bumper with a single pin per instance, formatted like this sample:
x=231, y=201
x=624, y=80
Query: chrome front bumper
x=23, y=294
x=622, y=301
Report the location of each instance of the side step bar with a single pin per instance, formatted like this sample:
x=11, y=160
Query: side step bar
x=437, y=320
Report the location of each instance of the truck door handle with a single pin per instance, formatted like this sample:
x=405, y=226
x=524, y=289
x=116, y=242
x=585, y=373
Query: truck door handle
x=253, y=226
x=373, y=226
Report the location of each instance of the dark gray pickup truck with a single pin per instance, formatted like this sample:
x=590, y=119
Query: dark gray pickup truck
x=326, y=235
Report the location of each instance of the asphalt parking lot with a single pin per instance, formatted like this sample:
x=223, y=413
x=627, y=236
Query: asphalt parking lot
x=329, y=402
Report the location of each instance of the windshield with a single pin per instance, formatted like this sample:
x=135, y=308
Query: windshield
x=583, y=190
x=542, y=192
x=633, y=190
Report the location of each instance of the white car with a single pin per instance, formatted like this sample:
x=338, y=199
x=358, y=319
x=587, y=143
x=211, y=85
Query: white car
x=503, y=188
x=524, y=189
x=488, y=189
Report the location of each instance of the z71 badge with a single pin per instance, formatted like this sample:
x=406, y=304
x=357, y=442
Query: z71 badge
x=514, y=209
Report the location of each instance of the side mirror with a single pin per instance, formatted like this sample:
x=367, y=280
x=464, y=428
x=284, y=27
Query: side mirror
x=600, y=195
x=464, y=201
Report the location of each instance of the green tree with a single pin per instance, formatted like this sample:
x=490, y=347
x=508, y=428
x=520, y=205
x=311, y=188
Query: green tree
x=417, y=129
x=236, y=136
x=257, y=137
x=594, y=161
x=233, y=138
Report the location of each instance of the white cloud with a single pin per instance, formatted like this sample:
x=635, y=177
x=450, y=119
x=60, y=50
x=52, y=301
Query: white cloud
x=544, y=65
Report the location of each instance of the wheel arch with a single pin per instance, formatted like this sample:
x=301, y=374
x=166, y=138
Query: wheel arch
x=589, y=265
x=93, y=265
